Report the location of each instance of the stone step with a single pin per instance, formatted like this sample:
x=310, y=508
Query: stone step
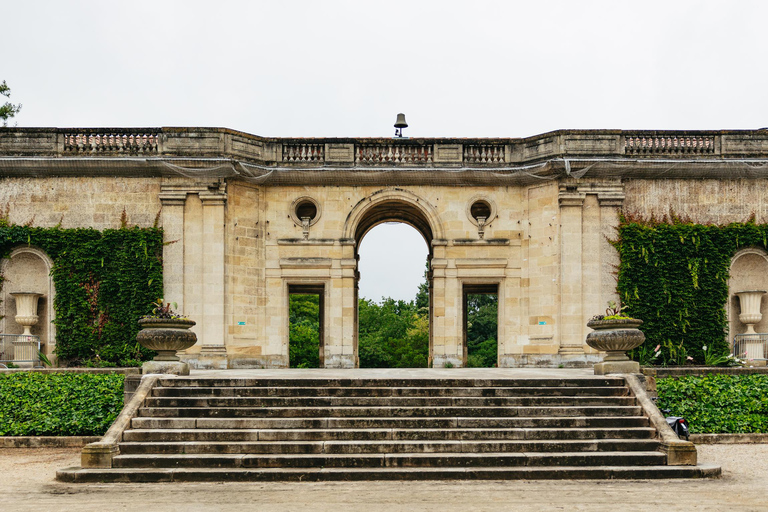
x=620, y=422
x=396, y=412
x=354, y=447
x=383, y=434
x=147, y=475
x=444, y=401
x=391, y=382
x=638, y=458
x=517, y=391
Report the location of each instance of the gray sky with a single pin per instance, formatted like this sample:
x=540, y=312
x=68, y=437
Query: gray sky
x=346, y=68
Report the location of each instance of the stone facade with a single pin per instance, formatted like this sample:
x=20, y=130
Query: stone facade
x=249, y=219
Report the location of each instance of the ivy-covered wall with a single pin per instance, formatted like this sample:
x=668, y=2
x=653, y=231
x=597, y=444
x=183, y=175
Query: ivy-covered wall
x=104, y=280
x=674, y=275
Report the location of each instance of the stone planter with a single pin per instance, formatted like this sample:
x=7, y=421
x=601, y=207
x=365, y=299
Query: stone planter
x=615, y=337
x=166, y=336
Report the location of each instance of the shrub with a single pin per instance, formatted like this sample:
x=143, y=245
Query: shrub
x=59, y=404
x=718, y=404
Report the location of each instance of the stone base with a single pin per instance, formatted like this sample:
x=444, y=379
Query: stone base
x=172, y=367
x=607, y=367
x=441, y=360
x=339, y=361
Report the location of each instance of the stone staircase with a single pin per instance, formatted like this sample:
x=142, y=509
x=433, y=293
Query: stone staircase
x=195, y=429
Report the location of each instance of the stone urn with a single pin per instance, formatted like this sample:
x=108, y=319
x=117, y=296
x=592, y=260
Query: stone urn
x=26, y=310
x=166, y=336
x=750, y=315
x=615, y=337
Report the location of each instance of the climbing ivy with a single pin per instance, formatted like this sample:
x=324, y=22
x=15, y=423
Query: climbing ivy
x=673, y=275
x=104, y=280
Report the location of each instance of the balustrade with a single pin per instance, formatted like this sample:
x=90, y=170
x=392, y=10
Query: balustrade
x=669, y=144
x=371, y=154
x=112, y=142
x=483, y=154
x=304, y=153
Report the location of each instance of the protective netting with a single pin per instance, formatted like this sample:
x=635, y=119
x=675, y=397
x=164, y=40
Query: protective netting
x=217, y=168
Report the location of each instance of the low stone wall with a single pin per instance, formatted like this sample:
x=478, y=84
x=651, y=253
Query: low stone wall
x=661, y=373
x=46, y=441
x=124, y=371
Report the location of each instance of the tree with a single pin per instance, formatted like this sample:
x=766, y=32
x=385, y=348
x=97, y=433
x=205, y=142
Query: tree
x=304, y=338
x=8, y=110
x=482, y=329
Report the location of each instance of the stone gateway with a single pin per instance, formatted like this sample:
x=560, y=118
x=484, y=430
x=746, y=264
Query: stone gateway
x=249, y=220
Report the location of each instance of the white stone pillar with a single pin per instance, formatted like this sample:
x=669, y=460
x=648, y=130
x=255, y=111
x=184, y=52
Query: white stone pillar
x=213, y=251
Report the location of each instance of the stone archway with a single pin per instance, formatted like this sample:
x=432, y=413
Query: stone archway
x=749, y=271
x=393, y=205
x=28, y=269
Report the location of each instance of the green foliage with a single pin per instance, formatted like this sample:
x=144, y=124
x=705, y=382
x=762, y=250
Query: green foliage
x=482, y=329
x=8, y=109
x=674, y=276
x=58, y=404
x=304, y=340
x=105, y=281
x=721, y=404
x=393, y=334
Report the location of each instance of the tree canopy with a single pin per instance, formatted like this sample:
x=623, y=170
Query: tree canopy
x=8, y=109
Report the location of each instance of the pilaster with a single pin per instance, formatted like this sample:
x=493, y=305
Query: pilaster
x=571, y=202
x=213, y=251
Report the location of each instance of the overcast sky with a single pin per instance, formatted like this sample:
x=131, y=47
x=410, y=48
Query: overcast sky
x=346, y=68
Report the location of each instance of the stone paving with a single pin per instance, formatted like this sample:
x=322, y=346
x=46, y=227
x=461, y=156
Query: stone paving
x=29, y=485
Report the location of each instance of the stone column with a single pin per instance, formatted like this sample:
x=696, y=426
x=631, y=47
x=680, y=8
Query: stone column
x=172, y=218
x=571, y=283
x=213, y=250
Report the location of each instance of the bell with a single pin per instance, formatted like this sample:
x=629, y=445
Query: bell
x=400, y=123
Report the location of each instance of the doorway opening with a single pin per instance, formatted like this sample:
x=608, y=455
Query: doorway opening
x=481, y=318
x=306, y=319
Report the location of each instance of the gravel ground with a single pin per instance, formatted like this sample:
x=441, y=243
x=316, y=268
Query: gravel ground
x=28, y=475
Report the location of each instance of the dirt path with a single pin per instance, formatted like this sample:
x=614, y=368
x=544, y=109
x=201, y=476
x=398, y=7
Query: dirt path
x=28, y=478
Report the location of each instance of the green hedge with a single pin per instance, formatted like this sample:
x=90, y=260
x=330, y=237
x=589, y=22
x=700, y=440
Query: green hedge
x=718, y=404
x=104, y=280
x=673, y=275
x=59, y=404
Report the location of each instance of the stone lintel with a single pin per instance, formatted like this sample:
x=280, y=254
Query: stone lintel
x=306, y=262
x=481, y=262
x=483, y=241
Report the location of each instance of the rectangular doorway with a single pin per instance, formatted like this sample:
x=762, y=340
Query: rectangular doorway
x=306, y=325
x=481, y=330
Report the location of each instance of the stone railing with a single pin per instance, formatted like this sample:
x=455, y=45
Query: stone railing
x=669, y=144
x=372, y=154
x=112, y=141
x=309, y=153
x=483, y=154
x=200, y=142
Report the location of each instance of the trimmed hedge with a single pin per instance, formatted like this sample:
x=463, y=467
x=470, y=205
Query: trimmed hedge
x=59, y=404
x=717, y=404
x=673, y=276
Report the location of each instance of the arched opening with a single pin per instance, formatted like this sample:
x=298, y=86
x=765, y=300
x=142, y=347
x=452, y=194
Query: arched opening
x=393, y=302
x=27, y=269
x=748, y=304
x=399, y=207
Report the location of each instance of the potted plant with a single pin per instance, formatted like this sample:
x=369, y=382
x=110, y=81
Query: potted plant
x=615, y=333
x=166, y=332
